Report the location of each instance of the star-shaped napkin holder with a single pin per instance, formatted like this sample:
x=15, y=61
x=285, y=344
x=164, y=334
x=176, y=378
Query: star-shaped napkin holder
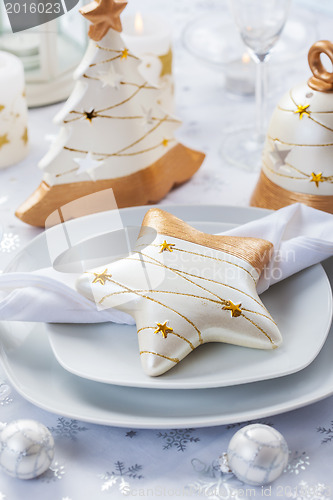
x=186, y=288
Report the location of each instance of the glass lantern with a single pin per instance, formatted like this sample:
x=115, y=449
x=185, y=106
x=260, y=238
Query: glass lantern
x=49, y=52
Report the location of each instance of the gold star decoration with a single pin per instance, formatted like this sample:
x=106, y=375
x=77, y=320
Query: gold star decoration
x=165, y=142
x=235, y=309
x=124, y=54
x=207, y=273
x=317, y=178
x=166, y=247
x=4, y=140
x=162, y=327
x=24, y=136
x=302, y=110
x=2, y=107
x=89, y=115
x=102, y=277
x=104, y=14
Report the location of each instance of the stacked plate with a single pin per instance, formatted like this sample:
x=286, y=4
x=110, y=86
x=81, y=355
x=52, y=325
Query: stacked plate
x=92, y=372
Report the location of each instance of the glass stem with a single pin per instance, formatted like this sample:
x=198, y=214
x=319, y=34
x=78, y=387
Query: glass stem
x=261, y=98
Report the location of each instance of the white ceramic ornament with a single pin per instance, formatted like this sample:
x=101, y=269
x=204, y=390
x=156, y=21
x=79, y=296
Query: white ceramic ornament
x=26, y=449
x=257, y=454
x=114, y=133
x=185, y=288
x=297, y=157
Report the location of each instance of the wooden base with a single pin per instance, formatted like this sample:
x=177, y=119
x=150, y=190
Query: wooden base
x=141, y=188
x=255, y=251
x=267, y=194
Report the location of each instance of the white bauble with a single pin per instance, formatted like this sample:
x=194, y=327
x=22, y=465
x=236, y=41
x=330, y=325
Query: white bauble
x=257, y=454
x=26, y=449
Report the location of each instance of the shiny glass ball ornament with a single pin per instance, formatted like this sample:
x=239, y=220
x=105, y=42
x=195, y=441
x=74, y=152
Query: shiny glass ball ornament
x=26, y=449
x=257, y=454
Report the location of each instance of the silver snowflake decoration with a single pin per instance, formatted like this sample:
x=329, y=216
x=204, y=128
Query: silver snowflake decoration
x=178, y=438
x=327, y=432
x=9, y=242
x=119, y=477
x=67, y=428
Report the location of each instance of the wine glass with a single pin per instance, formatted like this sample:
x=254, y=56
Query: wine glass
x=260, y=23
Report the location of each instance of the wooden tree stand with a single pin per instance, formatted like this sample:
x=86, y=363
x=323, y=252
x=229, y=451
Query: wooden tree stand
x=146, y=186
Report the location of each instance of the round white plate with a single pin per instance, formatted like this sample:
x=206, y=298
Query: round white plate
x=96, y=351
x=33, y=370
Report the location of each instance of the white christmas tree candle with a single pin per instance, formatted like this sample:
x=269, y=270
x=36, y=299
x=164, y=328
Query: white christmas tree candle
x=149, y=38
x=13, y=111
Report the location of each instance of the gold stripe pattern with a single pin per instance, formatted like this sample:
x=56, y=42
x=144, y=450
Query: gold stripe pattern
x=259, y=328
x=306, y=177
x=157, y=302
x=169, y=333
x=268, y=194
x=255, y=251
x=157, y=263
x=174, y=360
x=221, y=301
x=302, y=145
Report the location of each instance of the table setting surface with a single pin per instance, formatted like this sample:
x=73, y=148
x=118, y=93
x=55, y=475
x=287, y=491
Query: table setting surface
x=162, y=437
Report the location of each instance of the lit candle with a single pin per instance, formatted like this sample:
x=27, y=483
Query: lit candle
x=240, y=76
x=13, y=111
x=149, y=38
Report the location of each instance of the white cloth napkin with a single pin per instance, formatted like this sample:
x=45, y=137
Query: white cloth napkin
x=302, y=236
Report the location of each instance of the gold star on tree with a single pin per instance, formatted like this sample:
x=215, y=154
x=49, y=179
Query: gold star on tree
x=89, y=115
x=302, y=110
x=2, y=107
x=165, y=142
x=235, y=309
x=102, y=277
x=162, y=327
x=4, y=140
x=104, y=14
x=166, y=246
x=317, y=178
x=124, y=54
x=24, y=136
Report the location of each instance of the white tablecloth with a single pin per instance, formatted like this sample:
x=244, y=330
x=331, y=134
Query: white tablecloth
x=94, y=462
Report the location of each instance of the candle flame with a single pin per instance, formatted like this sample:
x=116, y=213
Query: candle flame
x=246, y=58
x=138, y=23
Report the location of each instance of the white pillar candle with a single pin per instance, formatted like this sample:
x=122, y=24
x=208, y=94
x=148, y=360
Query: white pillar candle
x=13, y=111
x=149, y=37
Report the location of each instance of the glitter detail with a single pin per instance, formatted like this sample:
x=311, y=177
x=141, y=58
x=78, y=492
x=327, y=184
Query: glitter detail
x=298, y=462
x=54, y=473
x=178, y=438
x=67, y=428
x=9, y=242
x=5, y=394
x=215, y=484
x=224, y=463
x=118, y=475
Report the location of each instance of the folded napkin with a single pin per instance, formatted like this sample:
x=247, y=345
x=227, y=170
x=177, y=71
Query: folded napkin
x=302, y=236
